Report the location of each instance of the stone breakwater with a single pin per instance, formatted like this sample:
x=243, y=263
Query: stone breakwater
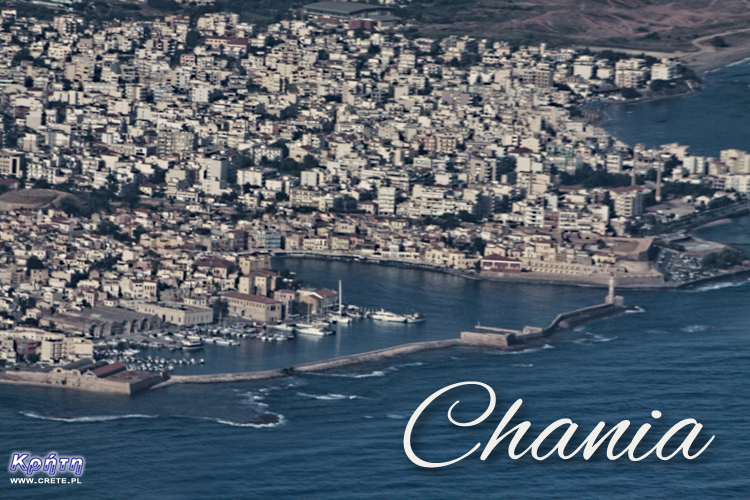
x=316, y=366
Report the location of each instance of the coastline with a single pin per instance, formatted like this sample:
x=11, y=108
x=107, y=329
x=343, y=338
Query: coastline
x=527, y=277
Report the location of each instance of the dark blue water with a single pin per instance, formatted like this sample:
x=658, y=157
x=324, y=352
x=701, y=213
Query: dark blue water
x=341, y=432
x=707, y=121
x=735, y=232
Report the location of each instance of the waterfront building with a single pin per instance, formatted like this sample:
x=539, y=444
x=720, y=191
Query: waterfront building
x=254, y=307
x=500, y=264
x=176, y=313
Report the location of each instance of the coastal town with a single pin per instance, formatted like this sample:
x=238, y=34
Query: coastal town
x=153, y=170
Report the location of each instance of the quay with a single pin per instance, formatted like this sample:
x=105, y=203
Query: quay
x=492, y=337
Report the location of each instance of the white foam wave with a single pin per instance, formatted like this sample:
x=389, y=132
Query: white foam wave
x=636, y=310
x=718, y=286
x=523, y=351
x=326, y=397
x=409, y=365
x=395, y=416
x=696, y=328
x=523, y=365
x=100, y=418
x=376, y=373
x=280, y=421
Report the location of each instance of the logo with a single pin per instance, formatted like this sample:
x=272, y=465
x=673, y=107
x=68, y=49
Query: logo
x=51, y=465
x=589, y=445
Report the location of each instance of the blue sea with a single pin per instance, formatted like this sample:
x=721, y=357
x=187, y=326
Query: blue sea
x=707, y=121
x=340, y=433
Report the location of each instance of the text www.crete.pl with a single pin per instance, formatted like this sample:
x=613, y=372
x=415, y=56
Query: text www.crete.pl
x=45, y=480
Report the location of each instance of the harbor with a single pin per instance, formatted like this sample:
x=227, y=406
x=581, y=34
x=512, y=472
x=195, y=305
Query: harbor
x=483, y=336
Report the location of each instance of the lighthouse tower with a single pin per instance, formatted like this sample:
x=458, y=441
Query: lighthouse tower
x=613, y=299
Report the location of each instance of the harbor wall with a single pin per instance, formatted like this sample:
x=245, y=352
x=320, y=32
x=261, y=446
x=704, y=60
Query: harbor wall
x=488, y=339
x=69, y=380
x=572, y=319
x=317, y=366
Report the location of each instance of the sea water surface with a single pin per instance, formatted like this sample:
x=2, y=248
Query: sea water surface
x=708, y=121
x=340, y=433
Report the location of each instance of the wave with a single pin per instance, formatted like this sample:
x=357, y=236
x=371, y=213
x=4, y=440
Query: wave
x=718, y=286
x=327, y=397
x=376, y=373
x=100, y=418
x=265, y=421
x=636, y=310
x=523, y=365
x=395, y=416
x=696, y=328
x=409, y=365
x=523, y=351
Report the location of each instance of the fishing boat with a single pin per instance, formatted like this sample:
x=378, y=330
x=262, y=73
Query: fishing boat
x=416, y=317
x=284, y=328
x=389, y=317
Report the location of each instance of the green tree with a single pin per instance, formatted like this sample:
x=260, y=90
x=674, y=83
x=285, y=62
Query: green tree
x=221, y=310
x=192, y=39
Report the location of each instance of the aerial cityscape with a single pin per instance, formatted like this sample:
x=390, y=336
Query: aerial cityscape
x=197, y=201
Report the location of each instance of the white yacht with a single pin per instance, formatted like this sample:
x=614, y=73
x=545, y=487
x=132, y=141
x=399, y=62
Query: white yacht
x=192, y=345
x=223, y=342
x=388, y=316
x=284, y=328
x=312, y=330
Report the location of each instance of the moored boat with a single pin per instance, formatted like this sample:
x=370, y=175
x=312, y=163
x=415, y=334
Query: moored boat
x=192, y=345
x=416, y=317
x=389, y=317
x=312, y=330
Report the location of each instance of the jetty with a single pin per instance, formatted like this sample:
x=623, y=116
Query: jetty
x=485, y=336
x=504, y=338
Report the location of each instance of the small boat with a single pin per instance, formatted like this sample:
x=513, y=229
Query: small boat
x=416, y=317
x=194, y=338
x=340, y=320
x=223, y=342
x=388, y=317
x=191, y=345
x=284, y=328
x=319, y=332
x=354, y=313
